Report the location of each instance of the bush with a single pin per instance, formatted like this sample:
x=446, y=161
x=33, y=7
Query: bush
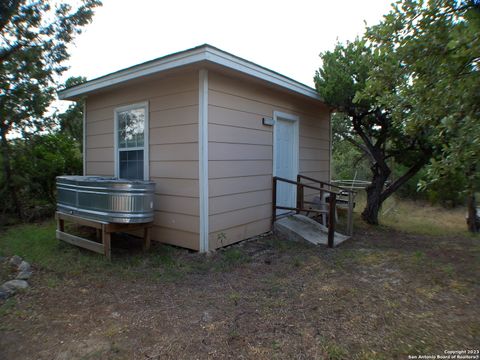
x=443, y=192
x=36, y=161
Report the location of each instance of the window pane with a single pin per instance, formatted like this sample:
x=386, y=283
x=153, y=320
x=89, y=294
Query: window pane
x=131, y=164
x=131, y=125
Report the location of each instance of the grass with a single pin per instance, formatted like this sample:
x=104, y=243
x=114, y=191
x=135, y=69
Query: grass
x=232, y=257
x=379, y=296
x=7, y=307
x=37, y=244
x=417, y=217
x=334, y=351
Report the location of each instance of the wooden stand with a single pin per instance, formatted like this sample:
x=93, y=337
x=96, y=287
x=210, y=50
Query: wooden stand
x=104, y=231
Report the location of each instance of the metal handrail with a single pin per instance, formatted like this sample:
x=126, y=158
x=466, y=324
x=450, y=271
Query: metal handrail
x=332, y=200
x=299, y=176
x=305, y=185
x=300, y=207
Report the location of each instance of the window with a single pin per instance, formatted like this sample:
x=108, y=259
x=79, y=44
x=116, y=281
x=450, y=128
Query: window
x=131, y=140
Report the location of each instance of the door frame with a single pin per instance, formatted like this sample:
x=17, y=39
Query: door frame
x=296, y=141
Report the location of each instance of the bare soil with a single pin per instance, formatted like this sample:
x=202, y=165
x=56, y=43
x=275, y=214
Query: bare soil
x=380, y=295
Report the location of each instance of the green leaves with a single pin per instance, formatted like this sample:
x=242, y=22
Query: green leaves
x=343, y=74
x=71, y=120
x=33, y=48
x=410, y=90
x=437, y=48
x=39, y=159
x=34, y=39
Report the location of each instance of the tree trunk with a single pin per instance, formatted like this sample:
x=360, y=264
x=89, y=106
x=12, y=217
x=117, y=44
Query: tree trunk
x=374, y=196
x=7, y=171
x=472, y=220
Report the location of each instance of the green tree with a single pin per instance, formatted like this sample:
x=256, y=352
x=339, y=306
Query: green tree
x=430, y=54
x=368, y=124
x=349, y=162
x=34, y=38
x=37, y=160
x=71, y=120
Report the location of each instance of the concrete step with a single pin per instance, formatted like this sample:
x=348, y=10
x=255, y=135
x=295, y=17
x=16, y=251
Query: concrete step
x=299, y=227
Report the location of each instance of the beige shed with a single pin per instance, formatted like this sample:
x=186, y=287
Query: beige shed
x=210, y=129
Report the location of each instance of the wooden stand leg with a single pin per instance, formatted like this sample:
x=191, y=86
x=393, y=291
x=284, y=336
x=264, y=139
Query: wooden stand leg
x=146, y=238
x=61, y=225
x=106, y=242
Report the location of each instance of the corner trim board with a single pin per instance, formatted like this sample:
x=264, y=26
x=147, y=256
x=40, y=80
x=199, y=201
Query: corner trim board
x=203, y=157
x=84, y=140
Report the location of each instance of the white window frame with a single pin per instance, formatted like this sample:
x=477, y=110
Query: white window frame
x=146, y=142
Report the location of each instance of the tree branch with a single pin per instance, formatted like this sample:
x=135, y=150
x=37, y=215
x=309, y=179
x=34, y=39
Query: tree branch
x=404, y=178
x=361, y=147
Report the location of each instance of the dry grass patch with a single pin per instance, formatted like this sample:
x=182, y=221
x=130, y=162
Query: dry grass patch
x=418, y=217
x=384, y=294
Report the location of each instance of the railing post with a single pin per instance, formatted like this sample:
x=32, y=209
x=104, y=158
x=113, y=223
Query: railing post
x=331, y=219
x=350, y=214
x=302, y=197
x=299, y=197
x=274, y=200
x=322, y=206
x=299, y=194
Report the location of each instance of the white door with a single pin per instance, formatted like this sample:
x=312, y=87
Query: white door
x=286, y=159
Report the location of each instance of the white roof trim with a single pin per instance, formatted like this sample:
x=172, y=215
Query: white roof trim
x=203, y=53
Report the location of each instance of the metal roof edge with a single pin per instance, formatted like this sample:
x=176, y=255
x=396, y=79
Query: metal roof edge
x=190, y=56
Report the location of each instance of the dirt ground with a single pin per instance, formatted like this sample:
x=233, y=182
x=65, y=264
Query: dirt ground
x=380, y=295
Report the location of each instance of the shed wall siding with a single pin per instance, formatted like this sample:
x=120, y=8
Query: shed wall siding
x=241, y=154
x=173, y=117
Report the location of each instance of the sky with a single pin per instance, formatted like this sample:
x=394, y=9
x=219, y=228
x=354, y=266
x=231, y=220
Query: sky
x=284, y=36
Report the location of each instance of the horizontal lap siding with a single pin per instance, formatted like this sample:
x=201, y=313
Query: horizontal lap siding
x=173, y=117
x=241, y=154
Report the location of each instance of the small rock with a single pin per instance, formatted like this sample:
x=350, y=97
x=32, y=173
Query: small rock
x=24, y=275
x=15, y=284
x=206, y=317
x=15, y=260
x=115, y=315
x=7, y=290
x=5, y=294
x=24, y=266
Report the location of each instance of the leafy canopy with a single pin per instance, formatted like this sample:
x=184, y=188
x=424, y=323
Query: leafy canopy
x=366, y=123
x=71, y=120
x=430, y=52
x=34, y=38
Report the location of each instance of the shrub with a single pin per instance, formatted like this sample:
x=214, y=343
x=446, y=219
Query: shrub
x=36, y=161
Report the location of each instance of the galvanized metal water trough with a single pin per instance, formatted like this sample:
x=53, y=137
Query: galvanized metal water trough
x=106, y=199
